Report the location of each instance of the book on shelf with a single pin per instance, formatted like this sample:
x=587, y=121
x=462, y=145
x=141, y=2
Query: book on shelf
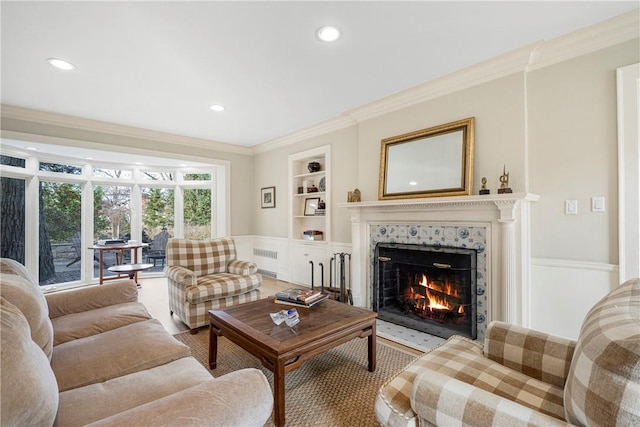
x=293, y=303
x=295, y=294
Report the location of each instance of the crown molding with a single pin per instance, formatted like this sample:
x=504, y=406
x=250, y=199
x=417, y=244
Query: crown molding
x=500, y=66
x=88, y=125
x=586, y=40
x=325, y=127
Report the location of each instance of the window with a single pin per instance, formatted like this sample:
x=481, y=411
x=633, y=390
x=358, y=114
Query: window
x=12, y=217
x=59, y=237
x=59, y=168
x=78, y=202
x=157, y=223
x=197, y=213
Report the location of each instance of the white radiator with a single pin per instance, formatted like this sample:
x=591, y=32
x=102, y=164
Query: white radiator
x=267, y=262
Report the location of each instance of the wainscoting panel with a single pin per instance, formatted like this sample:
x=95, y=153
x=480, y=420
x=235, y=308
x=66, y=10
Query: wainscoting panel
x=271, y=254
x=562, y=292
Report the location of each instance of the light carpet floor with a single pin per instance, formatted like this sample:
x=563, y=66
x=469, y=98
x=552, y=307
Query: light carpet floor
x=332, y=389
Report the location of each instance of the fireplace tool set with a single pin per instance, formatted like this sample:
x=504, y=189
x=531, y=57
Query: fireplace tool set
x=339, y=277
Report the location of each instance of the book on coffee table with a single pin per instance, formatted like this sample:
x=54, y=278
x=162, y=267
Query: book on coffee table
x=293, y=303
x=298, y=295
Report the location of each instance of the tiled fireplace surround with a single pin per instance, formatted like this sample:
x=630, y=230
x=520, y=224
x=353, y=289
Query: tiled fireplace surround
x=497, y=226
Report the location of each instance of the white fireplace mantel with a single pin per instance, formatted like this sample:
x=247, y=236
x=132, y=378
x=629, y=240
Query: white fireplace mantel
x=504, y=216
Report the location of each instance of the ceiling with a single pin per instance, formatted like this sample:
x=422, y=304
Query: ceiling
x=159, y=65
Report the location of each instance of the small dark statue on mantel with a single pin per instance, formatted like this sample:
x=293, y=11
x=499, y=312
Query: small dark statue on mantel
x=504, y=182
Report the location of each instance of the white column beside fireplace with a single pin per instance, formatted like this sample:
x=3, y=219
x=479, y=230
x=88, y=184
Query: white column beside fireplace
x=502, y=220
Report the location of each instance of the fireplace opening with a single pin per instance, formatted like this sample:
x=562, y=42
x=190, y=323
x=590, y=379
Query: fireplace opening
x=426, y=288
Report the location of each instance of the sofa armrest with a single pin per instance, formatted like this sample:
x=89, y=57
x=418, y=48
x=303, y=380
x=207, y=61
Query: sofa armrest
x=90, y=298
x=180, y=276
x=243, y=268
x=240, y=398
x=443, y=400
x=536, y=354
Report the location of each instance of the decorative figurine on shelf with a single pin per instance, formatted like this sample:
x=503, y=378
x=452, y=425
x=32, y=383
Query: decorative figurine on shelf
x=354, y=196
x=313, y=167
x=504, y=182
x=484, y=190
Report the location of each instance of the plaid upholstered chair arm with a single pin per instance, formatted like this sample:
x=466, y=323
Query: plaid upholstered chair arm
x=91, y=298
x=180, y=276
x=439, y=399
x=243, y=268
x=539, y=355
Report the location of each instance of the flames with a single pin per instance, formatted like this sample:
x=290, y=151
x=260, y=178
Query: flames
x=439, y=298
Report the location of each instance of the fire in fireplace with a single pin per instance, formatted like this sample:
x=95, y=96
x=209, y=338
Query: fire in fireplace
x=426, y=288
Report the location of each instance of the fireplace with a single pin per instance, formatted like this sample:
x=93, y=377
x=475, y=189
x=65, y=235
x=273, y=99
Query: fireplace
x=431, y=289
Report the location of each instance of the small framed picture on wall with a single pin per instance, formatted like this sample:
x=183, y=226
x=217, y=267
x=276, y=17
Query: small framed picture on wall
x=268, y=197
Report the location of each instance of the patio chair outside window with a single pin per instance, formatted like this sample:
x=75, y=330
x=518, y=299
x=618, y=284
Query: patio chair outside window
x=158, y=248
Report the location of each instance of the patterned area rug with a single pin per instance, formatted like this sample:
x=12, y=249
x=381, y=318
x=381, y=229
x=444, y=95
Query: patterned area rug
x=332, y=389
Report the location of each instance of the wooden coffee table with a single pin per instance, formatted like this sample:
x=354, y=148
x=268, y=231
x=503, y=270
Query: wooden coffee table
x=282, y=349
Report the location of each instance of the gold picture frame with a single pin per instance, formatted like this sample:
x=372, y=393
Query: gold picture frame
x=432, y=162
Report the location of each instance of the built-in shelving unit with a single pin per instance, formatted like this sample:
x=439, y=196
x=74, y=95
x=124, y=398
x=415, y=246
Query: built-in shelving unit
x=306, y=189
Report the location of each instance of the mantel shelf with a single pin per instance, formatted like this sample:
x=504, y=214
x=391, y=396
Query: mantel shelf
x=440, y=202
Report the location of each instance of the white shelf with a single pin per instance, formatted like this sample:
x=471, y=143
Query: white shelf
x=318, y=193
x=310, y=174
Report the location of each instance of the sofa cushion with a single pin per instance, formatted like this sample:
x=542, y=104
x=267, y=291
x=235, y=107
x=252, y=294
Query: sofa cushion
x=28, y=298
x=221, y=285
x=537, y=354
x=243, y=268
x=203, y=257
x=77, y=406
x=239, y=398
x=603, y=387
x=28, y=387
x=11, y=266
x=92, y=322
x=90, y=298
x=462, y=359
x=115, y=353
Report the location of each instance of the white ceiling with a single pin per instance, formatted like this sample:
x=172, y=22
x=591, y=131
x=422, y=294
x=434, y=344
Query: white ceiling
x=159, y=65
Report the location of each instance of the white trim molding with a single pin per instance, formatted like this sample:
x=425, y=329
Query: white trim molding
x=628, y=88
x=88, y=125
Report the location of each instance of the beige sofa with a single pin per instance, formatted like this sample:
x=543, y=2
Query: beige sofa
x=94, y=356
x=521, y=377
x=205, y=275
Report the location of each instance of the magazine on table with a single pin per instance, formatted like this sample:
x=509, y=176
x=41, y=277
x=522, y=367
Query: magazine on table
x=298, y=295
x=298, y=303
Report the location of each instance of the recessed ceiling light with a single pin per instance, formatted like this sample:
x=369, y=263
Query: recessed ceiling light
x=61, y=64
x=139, y=163
x=216, y=107
x=31, y=148
x=328, y=34
x=413, y=183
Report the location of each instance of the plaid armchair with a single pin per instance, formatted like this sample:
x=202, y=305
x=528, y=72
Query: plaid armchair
x=523, y=377
x=204, y=275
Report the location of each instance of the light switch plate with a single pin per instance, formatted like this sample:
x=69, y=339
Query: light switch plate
x=571, y=207
x=597, y=204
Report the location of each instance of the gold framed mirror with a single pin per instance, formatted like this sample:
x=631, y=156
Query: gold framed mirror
x=432, y=162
